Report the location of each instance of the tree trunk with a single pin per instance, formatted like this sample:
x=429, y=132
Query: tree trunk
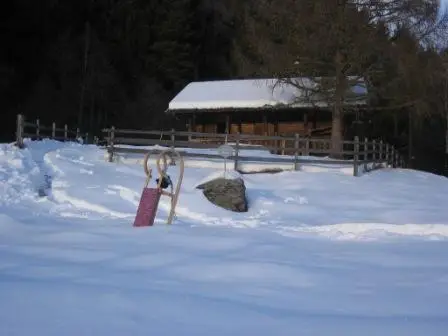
x=336, y=132
x=84, y=74
x=92, y=115
x=338, y=109
x=410, y=139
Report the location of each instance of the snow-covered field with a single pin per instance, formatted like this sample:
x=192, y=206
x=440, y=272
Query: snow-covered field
x=319, y=253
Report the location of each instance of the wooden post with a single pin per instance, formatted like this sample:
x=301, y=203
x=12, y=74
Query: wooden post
x=38, y=129
x=65, y=132
x=366, y=154
x=276, y=142
x=307, y=146
x=374, y=149
x=296, y=151
x=265, y=129
x=173, y=138
x=365, y=147
x=19, y=131
x=237, y=146
x=356, y=157
x=283, y=144
x=190, y=128
x=381, y=151
x=387, y=154
x=86, y=141
x=77, y=133
x=53, y=131
x=111, y=144
x=193, y=120
x=392, y=156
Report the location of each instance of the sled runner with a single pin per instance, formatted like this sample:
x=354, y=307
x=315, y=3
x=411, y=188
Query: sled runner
x=149, y=201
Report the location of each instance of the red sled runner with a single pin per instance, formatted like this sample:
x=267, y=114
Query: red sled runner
x=149, y=201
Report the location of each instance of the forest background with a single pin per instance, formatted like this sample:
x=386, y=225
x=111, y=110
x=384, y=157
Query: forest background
x=94, y=63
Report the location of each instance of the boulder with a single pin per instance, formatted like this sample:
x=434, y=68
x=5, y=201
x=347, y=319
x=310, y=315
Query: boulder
x=229, y=194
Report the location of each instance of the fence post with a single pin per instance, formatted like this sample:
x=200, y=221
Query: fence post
x=392, y=156
x=53, y=130
x=374, y=151
x=19, y=131
x=307, y=146
x=38, y=129
x=366, y=154
x=283, y=144
x=173, y=139
x=237, y=145
x=111, y=144
x=356, y=157
x=366, y=149
x=65, y=132
x=296, y=151
x=395, y=159
x=387, y=154
x=86, y=137
x=77, y=133
x=381, y=152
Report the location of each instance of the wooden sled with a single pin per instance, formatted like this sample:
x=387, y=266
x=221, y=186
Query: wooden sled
x=149, y=201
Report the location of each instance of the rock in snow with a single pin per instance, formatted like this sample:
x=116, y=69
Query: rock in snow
x=229, y=194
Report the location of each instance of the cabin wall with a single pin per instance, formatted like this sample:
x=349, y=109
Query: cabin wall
x=259, y=128
x=287, y=123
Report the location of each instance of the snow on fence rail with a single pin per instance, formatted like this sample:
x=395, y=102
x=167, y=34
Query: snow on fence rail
x=290, y=149
x=36, y=131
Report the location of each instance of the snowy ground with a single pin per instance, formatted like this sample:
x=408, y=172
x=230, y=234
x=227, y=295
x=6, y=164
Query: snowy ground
x=319, y=253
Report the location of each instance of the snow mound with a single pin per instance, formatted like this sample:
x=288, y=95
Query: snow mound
x=379, y=205
x=20, y=176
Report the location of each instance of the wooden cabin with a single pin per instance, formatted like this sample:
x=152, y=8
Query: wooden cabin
x=254, y=106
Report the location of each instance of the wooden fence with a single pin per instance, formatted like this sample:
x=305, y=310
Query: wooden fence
x=367, y=154
x=36, y=131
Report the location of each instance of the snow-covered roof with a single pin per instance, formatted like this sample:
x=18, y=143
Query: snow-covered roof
x=251, y=93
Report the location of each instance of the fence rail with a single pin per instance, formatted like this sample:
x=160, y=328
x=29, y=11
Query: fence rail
x=36, y=131
x=291, y=149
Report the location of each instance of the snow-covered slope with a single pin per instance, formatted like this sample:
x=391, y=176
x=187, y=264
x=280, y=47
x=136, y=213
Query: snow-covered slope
x=318, y=253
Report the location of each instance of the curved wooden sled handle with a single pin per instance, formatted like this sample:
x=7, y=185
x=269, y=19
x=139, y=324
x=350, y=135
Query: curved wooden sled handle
x=162, y=167
x=162, y=173
x=148, y=171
